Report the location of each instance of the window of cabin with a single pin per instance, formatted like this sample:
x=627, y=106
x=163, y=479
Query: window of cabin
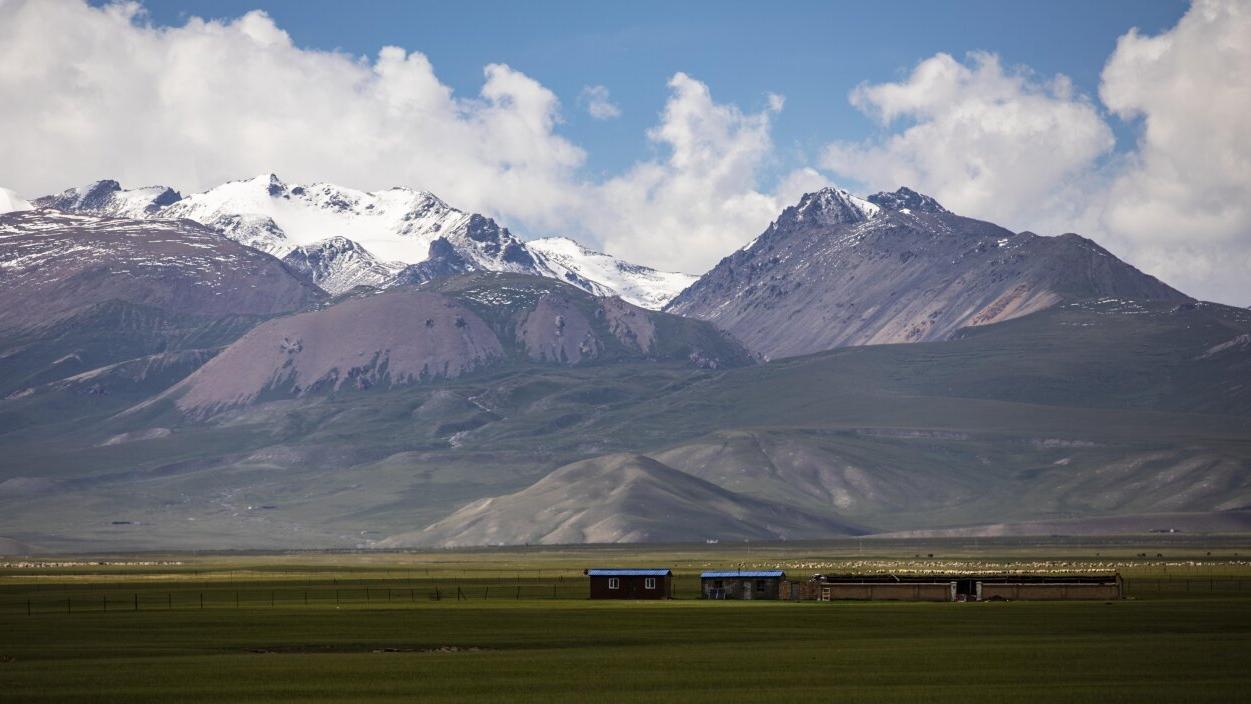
x=614, y=583
x=760, y=585
x=718, y=584
x=649, y=583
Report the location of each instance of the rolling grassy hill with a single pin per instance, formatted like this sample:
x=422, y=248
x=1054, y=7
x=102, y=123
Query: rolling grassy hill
x=1087, y=409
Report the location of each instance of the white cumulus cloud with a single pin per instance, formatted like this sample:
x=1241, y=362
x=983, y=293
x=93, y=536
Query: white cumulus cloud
x=1009, y=146
x=1181, y=204
x=702, y=200
x=101, y=92
x=598, y=103
x=982, y=139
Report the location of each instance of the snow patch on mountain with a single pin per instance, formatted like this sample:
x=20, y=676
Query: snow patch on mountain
x=339, y=238
x=830, y=206
x=605, y=275
x=397, y=224
x=11, y=202
x=338, y=264
x=107, y=197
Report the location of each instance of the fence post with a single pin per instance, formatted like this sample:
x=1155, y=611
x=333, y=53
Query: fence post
x=553, y=591
x=518, y=592
x=28, y=607
x=201, y=600
x=336, y=597
x=136, y=602
x=236, y=600
x=68, y=608
x=486, y=592
x=271, y=597
x=306, y=598
x=106, y=603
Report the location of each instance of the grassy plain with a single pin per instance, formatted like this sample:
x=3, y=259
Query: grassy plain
x=366, y=627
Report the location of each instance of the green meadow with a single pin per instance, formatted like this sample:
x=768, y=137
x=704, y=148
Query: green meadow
x=515, y=626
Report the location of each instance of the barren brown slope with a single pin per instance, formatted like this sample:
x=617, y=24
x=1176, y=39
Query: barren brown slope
x=56, y=264
x=393, y=338
x=441, y=331
x=620, y=498
x=836, y=271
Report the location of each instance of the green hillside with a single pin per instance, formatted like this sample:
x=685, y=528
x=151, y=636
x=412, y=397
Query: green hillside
x=1090, y=409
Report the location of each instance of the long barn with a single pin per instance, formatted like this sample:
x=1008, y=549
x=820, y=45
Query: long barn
x=948, y=587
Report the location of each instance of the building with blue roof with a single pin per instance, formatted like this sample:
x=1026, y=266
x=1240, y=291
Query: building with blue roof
x=741, y=584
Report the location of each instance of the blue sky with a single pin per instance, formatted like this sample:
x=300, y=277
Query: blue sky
x=813, y=53
x=1122, y=120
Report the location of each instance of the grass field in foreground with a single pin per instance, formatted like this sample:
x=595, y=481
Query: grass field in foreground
x=1166, y=645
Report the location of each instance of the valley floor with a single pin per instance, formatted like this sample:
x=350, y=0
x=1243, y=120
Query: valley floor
x=522, y=630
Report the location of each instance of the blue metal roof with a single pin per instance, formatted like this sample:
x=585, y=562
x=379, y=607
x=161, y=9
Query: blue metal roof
x=628, y=572
x=745, y=573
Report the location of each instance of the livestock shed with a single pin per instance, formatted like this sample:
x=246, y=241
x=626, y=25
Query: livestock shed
x=884, y=588
x=1046, y=587
x=741, y=584
x=631, y=583
x=959, y=587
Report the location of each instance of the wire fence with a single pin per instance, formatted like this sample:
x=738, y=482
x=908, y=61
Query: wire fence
x=151, y=600
x=85, y=598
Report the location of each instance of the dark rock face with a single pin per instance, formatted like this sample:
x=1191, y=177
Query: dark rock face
x=57, y=264
x=106, y=197
x=91, y=198
x=906, y=199
x=338, y=265
x=837, y=271
x=444, y=260
x=493, y=242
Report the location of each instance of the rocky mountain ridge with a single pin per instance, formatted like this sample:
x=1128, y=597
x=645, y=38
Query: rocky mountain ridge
x=443, y=330
x=56, y=263
x=397, y=235
x=835, y=270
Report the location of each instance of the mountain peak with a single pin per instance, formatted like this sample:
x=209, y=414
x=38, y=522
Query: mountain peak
x=270, y=182
x=829, y=206
x=107, y=197
x=805, y=286
x=905, y=198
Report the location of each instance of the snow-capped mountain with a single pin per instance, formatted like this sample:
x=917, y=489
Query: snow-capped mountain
x=107, y=197
x=337, y=265
x=836, y=270
x=10, y=202
x=55, y=264
x=264, y=212
x=340, y=237
x=606, y=275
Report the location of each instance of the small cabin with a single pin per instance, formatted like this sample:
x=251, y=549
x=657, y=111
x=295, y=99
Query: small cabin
x=629, y=583
x=740, y=584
